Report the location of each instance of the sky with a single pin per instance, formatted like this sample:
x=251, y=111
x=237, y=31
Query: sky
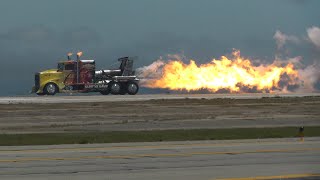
x=35, y=34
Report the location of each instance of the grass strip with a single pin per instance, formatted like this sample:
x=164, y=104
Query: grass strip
x=154, y=136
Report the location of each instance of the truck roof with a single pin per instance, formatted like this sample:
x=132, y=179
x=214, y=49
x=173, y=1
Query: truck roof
x=87, y=60
x=73, y=61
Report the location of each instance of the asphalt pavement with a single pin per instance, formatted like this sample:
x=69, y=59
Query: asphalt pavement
x=266, y=159
x=109, y=98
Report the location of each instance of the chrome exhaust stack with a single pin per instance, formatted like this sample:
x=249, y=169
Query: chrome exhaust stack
x=78, y=66
x=69, y=56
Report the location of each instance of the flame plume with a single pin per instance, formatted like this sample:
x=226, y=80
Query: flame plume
x=234, y=75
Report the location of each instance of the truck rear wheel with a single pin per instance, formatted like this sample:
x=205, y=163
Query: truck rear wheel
x=50, y=89
x=123, y=90
x=115, y=88
x=132, y=88
x=106, y=92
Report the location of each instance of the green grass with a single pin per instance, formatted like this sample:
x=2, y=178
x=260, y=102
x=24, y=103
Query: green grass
x=153, y=136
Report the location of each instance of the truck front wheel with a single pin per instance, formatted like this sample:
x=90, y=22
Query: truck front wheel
x=132, y=88
x=50, y=89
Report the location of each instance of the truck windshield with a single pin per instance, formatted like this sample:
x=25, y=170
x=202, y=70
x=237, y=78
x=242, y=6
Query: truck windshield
x=69, y=67
x=60, y=66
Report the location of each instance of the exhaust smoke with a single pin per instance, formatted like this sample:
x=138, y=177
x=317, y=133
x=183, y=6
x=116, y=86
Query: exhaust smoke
x=237, y=74
x=314, y=36
x=281, y=39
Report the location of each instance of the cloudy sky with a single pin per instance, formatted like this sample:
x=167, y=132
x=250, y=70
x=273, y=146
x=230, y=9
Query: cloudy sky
x=35, y=34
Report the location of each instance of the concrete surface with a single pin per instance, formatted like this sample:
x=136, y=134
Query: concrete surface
x=169, y=160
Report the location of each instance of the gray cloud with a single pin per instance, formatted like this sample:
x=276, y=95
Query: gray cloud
x=106, y=30
x=81, y=36
x=30, y=34
x=44, y=37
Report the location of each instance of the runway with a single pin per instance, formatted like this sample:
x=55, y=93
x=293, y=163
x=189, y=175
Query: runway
x=156, y=112
x=142, y=97
x=167, y=160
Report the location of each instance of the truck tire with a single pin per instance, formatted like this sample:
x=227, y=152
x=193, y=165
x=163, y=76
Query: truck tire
x=50, y=89
x=115, y=88
x=132, y=88
x=123, y=90
x=106, y=92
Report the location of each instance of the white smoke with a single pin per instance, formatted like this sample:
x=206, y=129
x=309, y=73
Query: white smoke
x=314, y=36
x=153, y=71
x=282, y=39
x=295, y=60
x=309, y=76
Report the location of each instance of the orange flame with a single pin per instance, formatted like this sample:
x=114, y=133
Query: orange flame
x=79, y=53
x=231, y=75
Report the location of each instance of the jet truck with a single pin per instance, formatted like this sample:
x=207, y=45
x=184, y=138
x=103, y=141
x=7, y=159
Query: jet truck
x=81, y=76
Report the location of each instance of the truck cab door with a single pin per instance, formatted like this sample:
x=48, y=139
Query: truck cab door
x=69, y=74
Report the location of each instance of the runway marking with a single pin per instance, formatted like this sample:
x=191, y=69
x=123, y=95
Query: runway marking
x=289, y=176
x=155, y=155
